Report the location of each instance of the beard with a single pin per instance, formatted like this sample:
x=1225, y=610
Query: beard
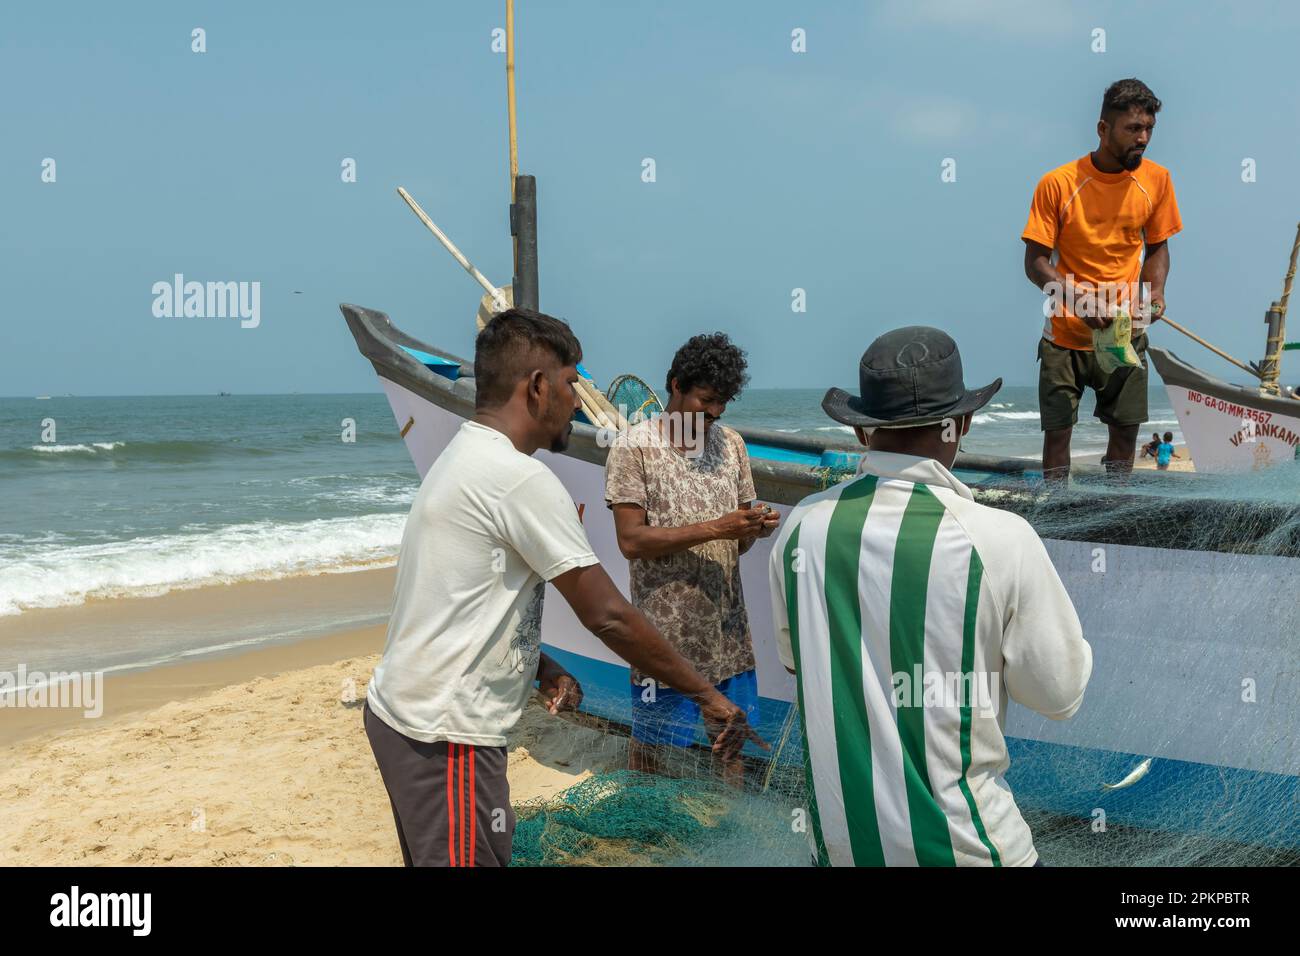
x=1132, y=161
x=561, y=441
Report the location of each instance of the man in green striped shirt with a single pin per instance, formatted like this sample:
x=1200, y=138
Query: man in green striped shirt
x=910, y=614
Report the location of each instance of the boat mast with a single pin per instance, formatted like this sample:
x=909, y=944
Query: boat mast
x=523, y=191
x=523, y=227
x=1271, y=367
x=510, y=94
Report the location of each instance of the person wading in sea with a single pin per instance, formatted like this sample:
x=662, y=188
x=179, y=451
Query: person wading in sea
x=1098, y=213
x=489, y=526
x=683, y=500
x=908, y=613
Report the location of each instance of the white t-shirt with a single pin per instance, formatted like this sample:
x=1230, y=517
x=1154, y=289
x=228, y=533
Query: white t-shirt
x=488, y=527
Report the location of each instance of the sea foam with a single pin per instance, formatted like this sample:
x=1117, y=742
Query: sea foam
x=153, y=565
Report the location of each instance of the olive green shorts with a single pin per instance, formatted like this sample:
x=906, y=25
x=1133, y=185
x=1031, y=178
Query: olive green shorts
x=1063, y=374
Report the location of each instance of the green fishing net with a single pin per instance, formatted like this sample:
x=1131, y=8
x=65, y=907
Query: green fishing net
x=1230, y=541
x=634, y=398
x=683, y=816
x=626, y=818
x=688, y=817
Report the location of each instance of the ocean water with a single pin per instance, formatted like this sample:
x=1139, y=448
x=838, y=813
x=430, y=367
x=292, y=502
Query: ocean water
x=1007, y=426
x=140, y=496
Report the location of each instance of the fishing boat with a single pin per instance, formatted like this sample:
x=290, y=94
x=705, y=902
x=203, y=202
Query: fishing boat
x=1165, y=686
x=1232, y=428
x=1184, y=590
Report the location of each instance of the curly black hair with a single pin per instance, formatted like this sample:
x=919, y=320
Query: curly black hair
x=711, y=361
x=1123, y=95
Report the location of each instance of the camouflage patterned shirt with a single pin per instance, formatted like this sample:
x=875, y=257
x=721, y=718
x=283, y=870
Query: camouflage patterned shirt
x=693, y=597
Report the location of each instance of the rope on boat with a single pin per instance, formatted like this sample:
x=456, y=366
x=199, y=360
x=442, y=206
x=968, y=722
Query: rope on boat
x=1277, y=341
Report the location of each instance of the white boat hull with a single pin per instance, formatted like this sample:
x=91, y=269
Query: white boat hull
x=1196, y=663
x=1149, y=692
x=1228, y=436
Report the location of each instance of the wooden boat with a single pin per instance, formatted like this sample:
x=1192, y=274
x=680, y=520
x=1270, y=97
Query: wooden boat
x=1228, y=427
x=1232, y=428
x=1165, y=685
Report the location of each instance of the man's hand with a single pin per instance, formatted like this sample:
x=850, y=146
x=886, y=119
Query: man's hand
x=558, y=686
x=1089, y=308
x=771, y=518
x=739, y=524
x=1156, y=306
x=726, y=726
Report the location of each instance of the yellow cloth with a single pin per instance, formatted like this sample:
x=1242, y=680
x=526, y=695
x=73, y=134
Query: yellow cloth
x=1114, y=344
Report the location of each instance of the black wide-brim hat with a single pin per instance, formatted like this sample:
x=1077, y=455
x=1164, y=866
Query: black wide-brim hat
x=907, y=377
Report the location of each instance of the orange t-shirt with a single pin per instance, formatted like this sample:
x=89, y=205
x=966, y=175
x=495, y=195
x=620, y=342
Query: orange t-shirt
x=1098, y=223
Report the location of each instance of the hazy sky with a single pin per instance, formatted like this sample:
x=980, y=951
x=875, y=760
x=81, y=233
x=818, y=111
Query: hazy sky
x=775, y=170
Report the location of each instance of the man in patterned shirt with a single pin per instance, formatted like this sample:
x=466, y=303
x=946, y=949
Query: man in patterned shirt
x=683, y=501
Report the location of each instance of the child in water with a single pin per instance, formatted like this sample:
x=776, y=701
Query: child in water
x=1165, y=451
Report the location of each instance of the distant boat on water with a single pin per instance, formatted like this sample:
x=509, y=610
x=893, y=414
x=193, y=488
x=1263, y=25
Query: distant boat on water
x=223, y=394
x=42, y=398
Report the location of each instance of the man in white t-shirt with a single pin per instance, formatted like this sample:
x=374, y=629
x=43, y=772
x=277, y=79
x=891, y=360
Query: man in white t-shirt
x=489, y=526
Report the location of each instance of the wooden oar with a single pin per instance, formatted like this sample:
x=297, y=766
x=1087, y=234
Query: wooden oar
x=605, y=407
x=594, y=405
x=497, y=295
x=594, y=414
x=1217, y=351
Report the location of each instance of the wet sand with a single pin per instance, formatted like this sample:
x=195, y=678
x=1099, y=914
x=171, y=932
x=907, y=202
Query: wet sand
x=1183, y=463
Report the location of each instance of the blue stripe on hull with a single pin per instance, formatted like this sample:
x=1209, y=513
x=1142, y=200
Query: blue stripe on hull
x=1179, y=796
x=1175, y=796
x=612, y=698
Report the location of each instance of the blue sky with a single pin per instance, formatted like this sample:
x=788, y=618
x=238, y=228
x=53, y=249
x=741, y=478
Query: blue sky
x=775, y=171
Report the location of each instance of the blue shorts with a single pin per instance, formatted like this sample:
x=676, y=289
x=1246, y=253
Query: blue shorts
x=673, y=718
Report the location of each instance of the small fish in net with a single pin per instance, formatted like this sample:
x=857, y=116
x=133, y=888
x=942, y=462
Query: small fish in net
x=634, y=398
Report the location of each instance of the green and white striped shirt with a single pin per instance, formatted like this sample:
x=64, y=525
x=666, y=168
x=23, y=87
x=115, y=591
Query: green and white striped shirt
x=887, y=590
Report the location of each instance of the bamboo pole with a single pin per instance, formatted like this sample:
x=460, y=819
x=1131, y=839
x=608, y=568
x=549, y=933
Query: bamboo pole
x=510, y=94
x=1217, y=351
x=596, y=407
x=1276, y=343
x=497, y=296
x=1290, y=277
x=605, y=405
x=589, y=407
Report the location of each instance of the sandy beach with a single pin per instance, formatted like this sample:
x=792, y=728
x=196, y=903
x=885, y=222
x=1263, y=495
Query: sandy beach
x=231, y=729
x=236, y=769
x=1182, y=463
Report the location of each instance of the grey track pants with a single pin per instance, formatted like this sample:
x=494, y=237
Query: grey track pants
x=451, y=802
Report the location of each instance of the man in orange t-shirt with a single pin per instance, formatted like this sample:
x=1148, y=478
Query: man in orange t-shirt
x=1098, y=213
